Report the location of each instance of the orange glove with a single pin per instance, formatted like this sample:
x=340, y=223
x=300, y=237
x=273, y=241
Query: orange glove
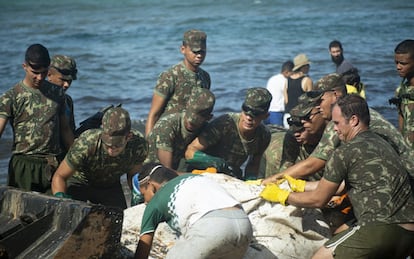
x=210, y=170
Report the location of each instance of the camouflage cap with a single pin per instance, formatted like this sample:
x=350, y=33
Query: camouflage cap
x=64, y=65
x=306, y=103
x=257, y=101
x=116, y=124
x=329, y=83
x=199, y=106
x=195, y=39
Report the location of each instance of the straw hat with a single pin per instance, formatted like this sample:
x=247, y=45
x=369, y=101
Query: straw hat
x=300, y=60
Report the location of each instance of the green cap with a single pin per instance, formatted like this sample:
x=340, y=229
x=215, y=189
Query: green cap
x=329, y=83
x=116, y=124
x=64, y=65
x=257, y=101
x=199, y=106
x=306, y=102
x=195, y=39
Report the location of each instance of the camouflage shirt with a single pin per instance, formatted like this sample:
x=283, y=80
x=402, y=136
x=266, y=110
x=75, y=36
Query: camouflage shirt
x=34, y=117
x=377, y=183
x=169, y=134
x=378, y=125
x=272, y=157
x=175, y=86
x=222, y=139
x=406, y=109
x=95, y=167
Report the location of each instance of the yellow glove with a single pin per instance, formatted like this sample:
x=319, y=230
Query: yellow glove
x=254, y=182
x=296, y=185
x=210, y=170
x=273, y=193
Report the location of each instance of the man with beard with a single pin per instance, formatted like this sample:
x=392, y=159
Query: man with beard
x=337, y=56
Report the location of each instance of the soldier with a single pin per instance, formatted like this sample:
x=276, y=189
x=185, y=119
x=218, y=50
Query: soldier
x=36, y=111
x=174, y=86
x=404, y=60
x=97, y=160
x=171, y=134
x=377, y=184
x=230, y=139
x=332, y=86
x=208, y=221
x=62, y=71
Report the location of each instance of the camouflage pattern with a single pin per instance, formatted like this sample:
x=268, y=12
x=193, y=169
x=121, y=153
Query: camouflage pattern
x=195, y=39
x=175, y=86
x=329, y=82
x=65, y=65
x=222, y=139
x=377, y=182
x=34, y=117
x=200, y=106
x=306, y=102
x=169, y=134
x=406, y=110
x=95, y=167
x=378, y=125
x=116, y=124
x=257, y=99
x=272, y=157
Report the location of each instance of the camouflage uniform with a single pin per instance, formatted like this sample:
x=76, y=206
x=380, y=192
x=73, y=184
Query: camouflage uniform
x=223, y=140
x=378, y=187
x=67, y=67
x=34, y=117
x=175, y=86
x=378, y=125
x=96, y=170
x=97, y=176
x=272, y=157
x=170, y=133
x=406, y=108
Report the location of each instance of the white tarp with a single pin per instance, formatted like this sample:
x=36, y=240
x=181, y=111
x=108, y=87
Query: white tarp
x=279, y=231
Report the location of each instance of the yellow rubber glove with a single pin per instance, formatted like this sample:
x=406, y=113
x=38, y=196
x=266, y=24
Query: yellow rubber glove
x=297, y=185
x=273, y=193
x=210, y=170
x=254, y=182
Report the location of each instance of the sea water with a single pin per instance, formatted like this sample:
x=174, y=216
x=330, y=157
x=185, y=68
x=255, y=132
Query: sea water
x=121, y=46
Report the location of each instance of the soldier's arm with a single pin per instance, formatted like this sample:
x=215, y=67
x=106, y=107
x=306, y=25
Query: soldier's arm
x=63, y=172
x=301, y=169
x=165, y=157
x=157, y=108
x=196, y=145
x=3, y=122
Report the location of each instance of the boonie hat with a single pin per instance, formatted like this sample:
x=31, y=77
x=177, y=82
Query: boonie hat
x=306, y=102
x=195, y=39
x=299, y=61
x=64, y=65
x=257, y=101
x=199, y=106
x=329, y=83
x=116, y=124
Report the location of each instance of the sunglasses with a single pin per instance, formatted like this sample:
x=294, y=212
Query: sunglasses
x=295, y=121
x=252, y=112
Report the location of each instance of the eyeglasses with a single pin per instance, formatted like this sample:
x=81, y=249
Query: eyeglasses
x=252, y=112
x=66, y=72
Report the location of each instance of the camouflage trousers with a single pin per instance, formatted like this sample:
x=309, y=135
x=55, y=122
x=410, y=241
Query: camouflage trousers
x=31, y=173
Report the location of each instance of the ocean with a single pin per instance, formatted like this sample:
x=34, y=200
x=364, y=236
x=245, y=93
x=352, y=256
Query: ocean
x=121, y=46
